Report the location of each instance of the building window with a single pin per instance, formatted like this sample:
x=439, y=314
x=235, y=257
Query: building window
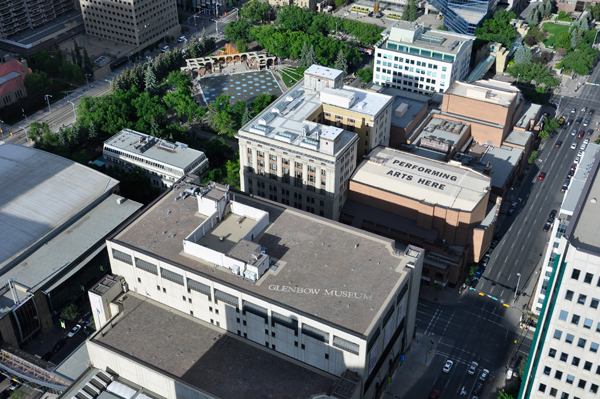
x=552, y=353
x=558, y=375
x=569, y=338
x=594, y=388
x=588, y=278
x=569, y=295
x=575, y=274
x=587, y=366
x=570, y=379
x=553, y=392
x=582, y=384
x=594, y=347
x=547, y=370
x=594, y=303
x=563, y=315
x=575, y=361
x=563, y=357
x=575, y=319
x=557, y=334
x=581, y=343
x=581, y=299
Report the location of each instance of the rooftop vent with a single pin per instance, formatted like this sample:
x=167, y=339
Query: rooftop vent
x=168, y=146
x=293, y=95
x=453, y=46
x=258, y=129
x=268, y=117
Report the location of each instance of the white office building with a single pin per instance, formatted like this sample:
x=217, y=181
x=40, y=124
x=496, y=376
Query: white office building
x=162, y=161
x=564, y=361
x=422, y=60
x=319, y=292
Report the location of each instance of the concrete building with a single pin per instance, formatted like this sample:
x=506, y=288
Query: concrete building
x=563, y=360
x=442, y=207
x=137, y=23
x=422, y=60
x=162, y=161
x=55, y=217
x=12, y=81
x=20, y=15
x=463, y=16
x=319, y=292
x=302, y=149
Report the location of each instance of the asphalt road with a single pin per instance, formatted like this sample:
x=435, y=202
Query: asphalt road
x=523, y=241
x=472, y=329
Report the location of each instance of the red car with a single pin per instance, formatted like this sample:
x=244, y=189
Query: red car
x=435, y=394
x=542, y=175
x=580, y=134
x=574, y=167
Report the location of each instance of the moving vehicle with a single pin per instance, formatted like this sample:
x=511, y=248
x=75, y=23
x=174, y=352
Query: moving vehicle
x=74, y=331
x=583, y=109
x=472, y=368
x=448, y=366
x=569, y=122
x=592, y=111
x=561, y=120
x=578, y=120
x=590, y=131
x=558, y=144
x=59, y=345
x=181, y=39
x=574, y=132
x=580, y=134
x=165, y=49
x=586, y=122
x=573, y=146
x=542, y=175
x=573, y=110
x=435, y=394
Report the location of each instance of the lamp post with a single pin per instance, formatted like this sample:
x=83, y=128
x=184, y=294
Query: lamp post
x=86, y=79
x=518, y=76
x=47, y=97
x=517, y=289
x=74, y=113
x=558, y=108
x=26, y=137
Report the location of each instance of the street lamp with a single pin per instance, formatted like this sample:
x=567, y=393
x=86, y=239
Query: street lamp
x=518, y=75
x=26, y=137
x=74, y=114
x=47, y=97
x=558, y=108
x=86, y=79
x=517, y=289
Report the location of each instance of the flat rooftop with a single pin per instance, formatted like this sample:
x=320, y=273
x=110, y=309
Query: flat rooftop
x=308, y=251
x=415, y=102
x=41, y=192
x=422, y=179
x=175, y=154
x=530, y=112
x=227, y=233
x=205, y=357
x=60, y=252
x=518, y=137
x=443, y=131
x=471, y=17
x=414, y=34
x=493, y=92
x=504, y=160
x=578, y=181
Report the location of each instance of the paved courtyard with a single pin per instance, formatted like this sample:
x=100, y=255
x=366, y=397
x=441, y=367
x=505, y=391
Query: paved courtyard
x=241, y=86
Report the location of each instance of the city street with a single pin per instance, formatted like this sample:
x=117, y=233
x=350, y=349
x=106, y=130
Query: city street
x=471, y=329
x=523, y=241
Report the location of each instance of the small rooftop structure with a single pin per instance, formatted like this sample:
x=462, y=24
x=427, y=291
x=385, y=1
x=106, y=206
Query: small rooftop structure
x=415, y=35
x=579, y=180
x=490, y=91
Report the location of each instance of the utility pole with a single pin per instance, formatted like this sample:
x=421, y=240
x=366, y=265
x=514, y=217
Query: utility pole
x=86, y=79
x=517, y=289
x=74, y=114
x=47, y=97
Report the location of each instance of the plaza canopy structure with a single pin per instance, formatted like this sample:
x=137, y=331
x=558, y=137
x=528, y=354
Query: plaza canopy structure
x=254, y=59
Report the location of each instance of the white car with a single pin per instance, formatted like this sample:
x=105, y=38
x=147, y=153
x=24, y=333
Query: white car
x=165, y=49
x=574, y=132
x=573, y=146
x=484, y=374
x=74, y=331
x=583, y=146
x=448, y=366
x=580, y=153
x=181, y=39
x=586, y=141
x=577, y=160
x=472, y=368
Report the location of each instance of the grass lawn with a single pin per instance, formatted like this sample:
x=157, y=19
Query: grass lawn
x=554, y=30
x=565, y=19
x=290, y=76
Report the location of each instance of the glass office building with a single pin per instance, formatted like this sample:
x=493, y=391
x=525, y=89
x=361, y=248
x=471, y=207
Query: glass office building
x=463, y=16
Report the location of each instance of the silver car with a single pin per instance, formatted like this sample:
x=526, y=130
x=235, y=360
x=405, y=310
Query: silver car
x=472, y=368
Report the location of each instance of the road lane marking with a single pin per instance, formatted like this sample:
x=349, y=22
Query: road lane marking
x=447, y=324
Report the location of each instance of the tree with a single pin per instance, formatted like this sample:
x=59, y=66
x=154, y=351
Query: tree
x=534, y=72
x=535, y=16
x=92, y=131
x=584, y=24
x=340, y=63
x=246, y=117
x=365, y=74
x=87, y=63
x=233, y=172
x=581, y=60
x=70, y=312
x=523, y=55
x=594, y=10
x=563, y=40
x=255, y=11
x=242, y=45
x=77, y=52
x=547, y=8
x=409, y=11
x=504, y=395
x=574, y=39
x=498, y=29
x=261, y=102
x=37, y=82
x=311, y=57
x=150, y=80
x=237, y=30
x=303, y=54
x=154, y=128
x=339, y=3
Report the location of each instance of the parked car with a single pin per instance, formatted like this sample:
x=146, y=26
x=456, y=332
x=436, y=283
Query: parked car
x=435, y=394
x=586, y=122
x=569, y=122
x=47, y=356
x=484, y=374
x=583, y=147
x=577, y=160
x=547, y=227
x=74, y=331
x=484, y=261
x=592, y=111
x=472, y=368
x=165, y=49
x=181, y=39
x=553, y=213
x=494, y=243
x=583, y=109
x=590, y=131
x=573, y=110
x=578, y=120
x=478, y=388
x=448, y=366
x=580, y=153
x=558, y=144
x=561, y=120
x=580, y=134
x=59, y=345
x=574, y=167
x=573, y=146
x=570, y=174
x=479, y=272
x=586, y=141
x=574, y=132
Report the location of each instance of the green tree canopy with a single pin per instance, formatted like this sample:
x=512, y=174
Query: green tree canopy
x=581, y=60
x=255, y=11
x=535, y=73
x=523, y=55
x=409, y=11
x=498, y=29
x=37, y=82
x=237, y=30
x=365, y=75
x=340, y=63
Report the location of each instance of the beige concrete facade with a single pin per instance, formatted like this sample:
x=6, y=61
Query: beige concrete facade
x=133, y=22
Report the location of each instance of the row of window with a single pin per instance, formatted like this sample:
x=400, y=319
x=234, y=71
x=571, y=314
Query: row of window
x=582, y=299
x=575, y=319
x=582, y=384
x=408, y=61
x=587, y=279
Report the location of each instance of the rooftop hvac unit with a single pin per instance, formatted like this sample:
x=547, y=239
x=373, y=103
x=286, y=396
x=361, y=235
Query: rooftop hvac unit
x=235, y=269
x=293, y=95
x=104, y=376
x=279, y=108
x=259, y=129
x=91, y=390
x=305, y=130
x=268, y=117
x=250, y=275
x=98, y=383
x=83, y=395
